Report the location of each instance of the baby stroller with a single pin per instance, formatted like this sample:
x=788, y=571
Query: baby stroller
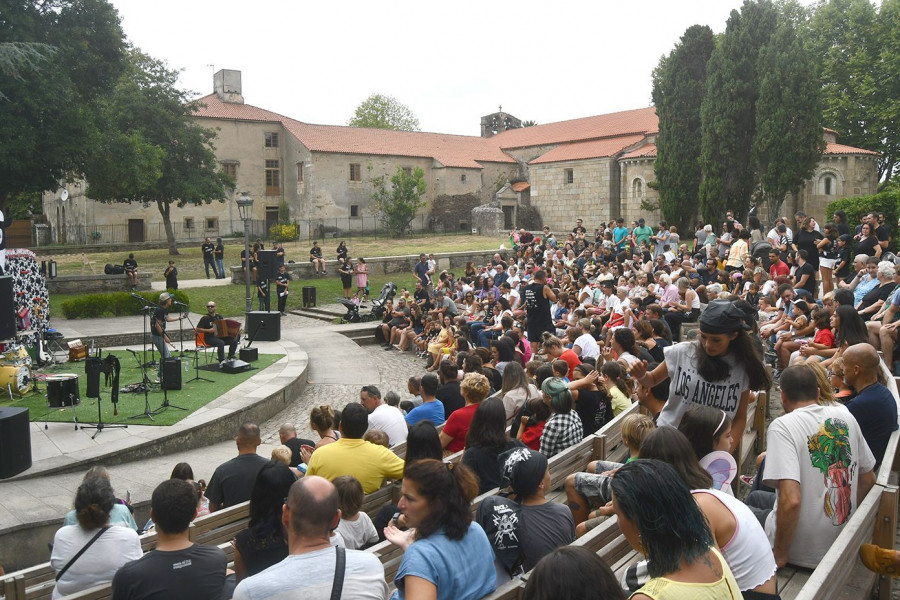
x=388, y=291
x=352, y=315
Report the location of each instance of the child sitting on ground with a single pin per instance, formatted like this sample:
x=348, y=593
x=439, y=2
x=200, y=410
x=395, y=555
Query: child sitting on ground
x=355, y=527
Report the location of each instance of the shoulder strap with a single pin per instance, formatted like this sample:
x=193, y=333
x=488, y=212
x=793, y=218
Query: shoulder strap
x=337, y=587
x=80, y=552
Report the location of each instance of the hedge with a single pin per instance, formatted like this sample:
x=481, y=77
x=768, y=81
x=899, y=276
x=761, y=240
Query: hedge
x=112, y=304
x=887, y=202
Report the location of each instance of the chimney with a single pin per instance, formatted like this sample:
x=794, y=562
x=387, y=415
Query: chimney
x=227, y=85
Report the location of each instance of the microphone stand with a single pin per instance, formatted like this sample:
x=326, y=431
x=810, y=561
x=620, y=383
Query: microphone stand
x=162, y=372
x=146, y=310
x=196, y=356
x=100, y=425
x=146, y=386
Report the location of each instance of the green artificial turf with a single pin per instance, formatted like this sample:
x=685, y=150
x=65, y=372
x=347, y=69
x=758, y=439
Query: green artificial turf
x=191, y=396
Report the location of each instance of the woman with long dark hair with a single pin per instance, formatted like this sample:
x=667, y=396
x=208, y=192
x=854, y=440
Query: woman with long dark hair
x=516, y=390
x=720, y=369
x=264, y=542
x=447, y=546
x=659, y=518
x=485, y=441
x=572, y=573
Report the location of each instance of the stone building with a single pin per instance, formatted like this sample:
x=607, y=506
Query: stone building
x=595, y=168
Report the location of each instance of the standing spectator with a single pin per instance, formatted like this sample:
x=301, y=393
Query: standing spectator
x=362, y=279
x=219, y=255
x=262, y=293
x=177, y=569
x=130, y=265
x=171, y=275
x=423, y=272
x=345, y=270
x=282, y=283
x=232, y=481
x=278, y=247
x=209, y=259
x=538, y=297
x=315, y=257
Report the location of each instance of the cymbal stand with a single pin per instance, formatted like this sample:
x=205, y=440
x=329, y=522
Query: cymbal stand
x=146, y=384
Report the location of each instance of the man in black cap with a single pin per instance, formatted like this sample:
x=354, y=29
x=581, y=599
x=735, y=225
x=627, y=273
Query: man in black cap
x=158, y=334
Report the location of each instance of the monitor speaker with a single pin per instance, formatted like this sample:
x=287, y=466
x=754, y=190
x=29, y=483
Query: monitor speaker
x=92, y=367
x=171, y=373
x=268, y=265
x=235, y=366
x=7, y=308
x=15, y=441
x=263, y=326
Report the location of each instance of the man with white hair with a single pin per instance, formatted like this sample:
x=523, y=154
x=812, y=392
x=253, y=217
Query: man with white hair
x=872, y=302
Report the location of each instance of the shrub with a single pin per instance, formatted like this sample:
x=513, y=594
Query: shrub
x=887, y=202
x=111, y=304
x=284, y=232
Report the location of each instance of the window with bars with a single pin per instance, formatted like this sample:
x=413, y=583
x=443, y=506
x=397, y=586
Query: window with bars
x=299, y=171
x=273, y=178
x=355, y=172
x=569, y=175
x=271, y=139
x=230, y=169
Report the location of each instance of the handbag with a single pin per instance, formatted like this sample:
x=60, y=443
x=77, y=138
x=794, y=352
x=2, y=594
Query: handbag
x=80, y=552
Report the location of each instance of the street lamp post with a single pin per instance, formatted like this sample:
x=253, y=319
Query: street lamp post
x=245, y=209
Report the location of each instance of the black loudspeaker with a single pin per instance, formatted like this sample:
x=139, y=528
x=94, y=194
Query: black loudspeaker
x=236, y=366
x=263, y=326
x=15, y=441
x=92, y=366
x=249, y=354
x=7, y=309
x=309, y=296
x=171, y=373
x=268, y=265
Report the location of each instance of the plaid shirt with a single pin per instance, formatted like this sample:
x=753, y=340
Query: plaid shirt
x=560, y=432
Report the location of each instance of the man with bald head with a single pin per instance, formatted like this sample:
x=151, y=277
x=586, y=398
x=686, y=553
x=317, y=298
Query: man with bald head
x=874, y=406
x=232, y=481
x=287, y=433
x=313, y=567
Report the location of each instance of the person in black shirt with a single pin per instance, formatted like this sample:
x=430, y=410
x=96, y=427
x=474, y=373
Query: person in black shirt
x=262, y=292
x=206, y=326
x=449, y=392
x=807, y=238
x=805, y=275
x=219, y=255
x=279, y=253
x=345, y=270
x=158, y=334
x=315, y=257
x=840, y=219
x=842, y=257
x=209, y=259
x=342, y=251
x=282, y=283
x=130, y=266
x=232, y=481
x=579, y=227
x=287, y=433
x=171, y=275
x=177, y=569
x=537, y=298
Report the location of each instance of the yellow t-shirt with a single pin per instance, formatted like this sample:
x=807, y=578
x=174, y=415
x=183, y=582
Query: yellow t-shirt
x=660, y=588
x=618, y=400
x=369, y=463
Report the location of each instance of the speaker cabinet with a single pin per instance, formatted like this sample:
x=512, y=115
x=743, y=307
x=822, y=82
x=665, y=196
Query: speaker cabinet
x=235, y=366
x=15, y=441
x=309, y=296
x=171, y=373
x=268, y=265
x=264, y=326
x=7, y=309
x=92, y=367
x=249, y=354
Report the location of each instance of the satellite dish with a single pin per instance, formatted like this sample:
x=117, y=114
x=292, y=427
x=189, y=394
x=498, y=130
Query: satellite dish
x=64, y=195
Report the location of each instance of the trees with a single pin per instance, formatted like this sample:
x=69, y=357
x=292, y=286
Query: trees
x=788, y=144
x=679, y=85
x=397, y=207
x=152, y=150
x=380, y=111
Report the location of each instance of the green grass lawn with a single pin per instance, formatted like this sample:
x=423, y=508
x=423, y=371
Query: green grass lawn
x=191, y=395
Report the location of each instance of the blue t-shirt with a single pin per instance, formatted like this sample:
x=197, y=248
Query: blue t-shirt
x=875, y=409
x=421, y=270
x=619, y=234
x=427, y=411
x=461, y=570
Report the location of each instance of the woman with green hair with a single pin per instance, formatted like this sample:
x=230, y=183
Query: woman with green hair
x=563, y=428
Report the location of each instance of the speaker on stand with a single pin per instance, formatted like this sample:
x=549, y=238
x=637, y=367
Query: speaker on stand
x=268, y=265
x=171, y=373
x=15, y=441
x=7, y=309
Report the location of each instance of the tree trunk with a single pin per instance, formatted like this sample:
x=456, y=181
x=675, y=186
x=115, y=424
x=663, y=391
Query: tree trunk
x=164, y=208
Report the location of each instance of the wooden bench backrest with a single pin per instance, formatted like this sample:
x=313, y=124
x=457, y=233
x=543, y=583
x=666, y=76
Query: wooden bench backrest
x=386, y=494
x=615, y=450
x=220, y=526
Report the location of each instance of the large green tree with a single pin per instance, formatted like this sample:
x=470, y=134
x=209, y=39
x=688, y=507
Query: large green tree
x=887, y=88
x=396, y=205
x=679, y=86
x=58, y=58
x=788, y=144
x=153, y=151
x=728, y=111
x=380, y=111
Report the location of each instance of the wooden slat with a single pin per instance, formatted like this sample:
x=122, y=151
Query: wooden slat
x=884, y=534
x=511, y=590
x=887, y=463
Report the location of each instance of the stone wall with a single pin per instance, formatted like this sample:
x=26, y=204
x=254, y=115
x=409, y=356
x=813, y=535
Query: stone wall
x=640, y=170
x=95, y=284
x=487, y=219
x=454, y=213
x=592, y=195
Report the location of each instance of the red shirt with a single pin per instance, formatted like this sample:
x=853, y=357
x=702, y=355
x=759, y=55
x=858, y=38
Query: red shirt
x=531, y=437
x=457, y=426
x=779, y=269
x=824, y=337
x=571, y=359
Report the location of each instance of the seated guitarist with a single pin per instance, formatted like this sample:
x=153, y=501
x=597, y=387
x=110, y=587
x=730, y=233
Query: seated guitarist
x=207, y=326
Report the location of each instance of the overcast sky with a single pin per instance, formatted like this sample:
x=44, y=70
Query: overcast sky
x=450, y=63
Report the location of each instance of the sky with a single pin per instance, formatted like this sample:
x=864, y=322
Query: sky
x=450, y=63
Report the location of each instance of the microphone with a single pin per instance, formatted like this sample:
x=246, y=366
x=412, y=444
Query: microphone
x=135, y=296
x=179, y=303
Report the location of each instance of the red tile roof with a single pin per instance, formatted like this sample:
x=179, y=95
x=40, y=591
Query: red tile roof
x=592, y=149
x=648, y=151
x=831, y=148
x=520, y=186
x=641, y=120
x=449, y=150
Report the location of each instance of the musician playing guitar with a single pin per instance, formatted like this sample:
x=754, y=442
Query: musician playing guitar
x=158, y=334
x=211, y=326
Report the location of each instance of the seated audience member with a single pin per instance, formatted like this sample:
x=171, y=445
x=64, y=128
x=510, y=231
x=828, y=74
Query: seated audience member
x=322, y=420
x=431, y=408
x=263, y=543
x=287, y=433
x=310, y=514
x=120, y=513
x=486, y=440
x=177, y=569
x=378, y=437
x=572, y=573
x=534, y=417
x=355, y=527
x=475, y=388
x=448, y=391
x=381, y=416
x=351, y=455
x=873, y=407
x=232, y=481
x=563, y=428
x=811, y=449
x=89, y=553
x=435, y=501
x=517, y=389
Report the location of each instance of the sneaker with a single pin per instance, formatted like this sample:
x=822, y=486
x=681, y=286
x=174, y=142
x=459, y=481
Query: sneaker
x=746, y=479
x=388, y=347
x=222, y=363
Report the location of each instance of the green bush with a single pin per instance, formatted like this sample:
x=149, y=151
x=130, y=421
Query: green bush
x=284, y=232
x=112, y=304
x=887, y=202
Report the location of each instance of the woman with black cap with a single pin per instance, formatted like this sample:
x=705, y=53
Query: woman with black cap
x=719, y=370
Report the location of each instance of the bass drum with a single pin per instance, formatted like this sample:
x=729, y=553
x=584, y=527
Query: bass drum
x=15, y=356
x=15, y=379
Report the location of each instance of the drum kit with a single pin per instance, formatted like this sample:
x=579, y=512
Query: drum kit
x=15, y=365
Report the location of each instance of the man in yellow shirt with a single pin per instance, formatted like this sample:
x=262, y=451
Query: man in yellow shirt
x=351, y=455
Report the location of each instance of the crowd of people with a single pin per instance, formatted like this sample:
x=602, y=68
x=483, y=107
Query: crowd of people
x=525, y=357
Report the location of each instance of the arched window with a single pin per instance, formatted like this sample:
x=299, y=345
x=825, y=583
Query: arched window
x=828, y=184
x=637, y=188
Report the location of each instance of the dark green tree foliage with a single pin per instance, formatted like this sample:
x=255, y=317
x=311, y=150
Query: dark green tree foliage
x=58, y=58
x=397, y=206
x=728, y=111
x=679, y=85
x=887, y=89
x=153, y=150
x=788, y=144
